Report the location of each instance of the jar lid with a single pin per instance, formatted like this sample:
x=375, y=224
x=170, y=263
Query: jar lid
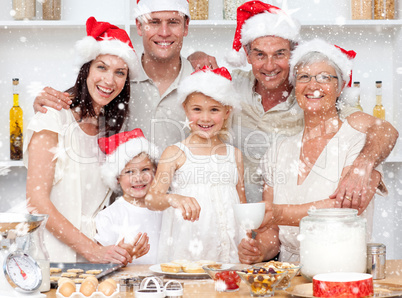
x=376, y=248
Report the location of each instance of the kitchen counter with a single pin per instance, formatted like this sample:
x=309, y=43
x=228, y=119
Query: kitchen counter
x=205, y=287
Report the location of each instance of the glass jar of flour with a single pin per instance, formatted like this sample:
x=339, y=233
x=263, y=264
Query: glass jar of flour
x=332, y=240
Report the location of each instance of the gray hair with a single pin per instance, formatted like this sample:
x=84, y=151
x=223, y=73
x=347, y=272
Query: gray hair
x=314, y=57
x=293, y=45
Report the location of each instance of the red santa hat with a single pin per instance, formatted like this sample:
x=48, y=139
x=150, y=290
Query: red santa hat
x=105, y=38
x=257, y=19
x=120, y=149
x=216, y=83
x=339, y=56
x=145, y=7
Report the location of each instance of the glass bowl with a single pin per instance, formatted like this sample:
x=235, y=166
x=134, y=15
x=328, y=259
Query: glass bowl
x=292, y=269
x=225, y=278
x=260, y=281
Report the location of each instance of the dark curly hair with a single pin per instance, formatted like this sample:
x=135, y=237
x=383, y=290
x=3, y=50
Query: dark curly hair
x=112, y=116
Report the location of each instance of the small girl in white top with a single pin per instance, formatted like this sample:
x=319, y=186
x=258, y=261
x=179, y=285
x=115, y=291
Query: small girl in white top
x=130, y=169
x=204, y=174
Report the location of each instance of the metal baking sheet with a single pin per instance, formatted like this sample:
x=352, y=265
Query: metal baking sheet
x=106, y=269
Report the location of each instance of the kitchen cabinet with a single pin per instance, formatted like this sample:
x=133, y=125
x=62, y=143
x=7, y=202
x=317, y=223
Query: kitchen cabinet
x=41, y=54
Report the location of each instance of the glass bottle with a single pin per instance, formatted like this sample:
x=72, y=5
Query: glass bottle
x=384, y=9
x=358, y=105
x=361, y=9
x=16, y=125
x=332, y=240
x=51, y=9
x=198, y=9
x=230, y=8
x=24, y=9
x=379, y=110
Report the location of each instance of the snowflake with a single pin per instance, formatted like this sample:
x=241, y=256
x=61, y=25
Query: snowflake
x=186, y=123
x=220, y=285
x=284, y=15
x=293, y=111
x=195, y=246
x=340, y=104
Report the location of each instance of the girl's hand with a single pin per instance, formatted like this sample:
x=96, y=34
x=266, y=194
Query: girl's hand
x=108, y=254
x=189, y=207
x=141, y=246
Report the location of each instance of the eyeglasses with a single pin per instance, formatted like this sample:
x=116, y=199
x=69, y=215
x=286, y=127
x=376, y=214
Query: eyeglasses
x=322, y=78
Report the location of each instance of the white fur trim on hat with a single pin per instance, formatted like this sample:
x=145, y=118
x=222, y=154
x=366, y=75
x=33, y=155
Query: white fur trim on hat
x=145, y=7
x=270, y=24
x=89, y=48
x=236, y=58
x=327, y=49
x=117, y=161
x=210, y=84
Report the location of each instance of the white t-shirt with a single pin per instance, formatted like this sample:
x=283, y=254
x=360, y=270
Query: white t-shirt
x=124, y=220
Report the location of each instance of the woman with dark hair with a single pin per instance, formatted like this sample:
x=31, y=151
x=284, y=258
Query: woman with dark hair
x=61, y=150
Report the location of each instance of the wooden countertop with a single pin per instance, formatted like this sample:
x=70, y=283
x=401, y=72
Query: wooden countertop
x=205, y=287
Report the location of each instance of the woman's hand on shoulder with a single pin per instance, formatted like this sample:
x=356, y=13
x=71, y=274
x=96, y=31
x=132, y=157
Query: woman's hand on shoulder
x=51, y=98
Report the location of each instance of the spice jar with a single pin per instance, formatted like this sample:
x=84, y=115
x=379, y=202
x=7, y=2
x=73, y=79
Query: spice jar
x=376, y=257
x=332, y=240
x=198, y=9
x=24, y=9
x=51, y=9
x=230, y=8
x=361, y=9
x=384, y=9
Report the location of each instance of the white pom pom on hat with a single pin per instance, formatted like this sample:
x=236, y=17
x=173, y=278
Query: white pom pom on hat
x=120, y=149
x=105, y=38
x=215, y=83
x=257, y=19
x=145, y=7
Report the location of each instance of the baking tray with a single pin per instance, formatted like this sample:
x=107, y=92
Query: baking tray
x=106, y=269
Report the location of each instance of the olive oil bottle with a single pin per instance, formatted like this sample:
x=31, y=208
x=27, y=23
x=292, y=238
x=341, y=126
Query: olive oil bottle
x=16, y=125
x=379, y=110
x=358, y=105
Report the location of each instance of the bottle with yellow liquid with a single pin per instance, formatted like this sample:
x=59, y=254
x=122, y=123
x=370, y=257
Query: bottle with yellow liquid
x=358, y=105
x=379, y=110
x=16, y=125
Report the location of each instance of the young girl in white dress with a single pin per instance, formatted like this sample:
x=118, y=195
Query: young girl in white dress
x=129, y=169
x=204, y=174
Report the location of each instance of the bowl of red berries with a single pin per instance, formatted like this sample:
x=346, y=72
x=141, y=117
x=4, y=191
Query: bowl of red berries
x=225, y=278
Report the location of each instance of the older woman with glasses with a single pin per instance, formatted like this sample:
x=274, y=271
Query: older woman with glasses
x=300, y=172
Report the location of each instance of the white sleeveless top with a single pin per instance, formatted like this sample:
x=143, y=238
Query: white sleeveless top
x=212, y=180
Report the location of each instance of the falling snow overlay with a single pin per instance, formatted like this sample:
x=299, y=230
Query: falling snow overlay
x=44, y=57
